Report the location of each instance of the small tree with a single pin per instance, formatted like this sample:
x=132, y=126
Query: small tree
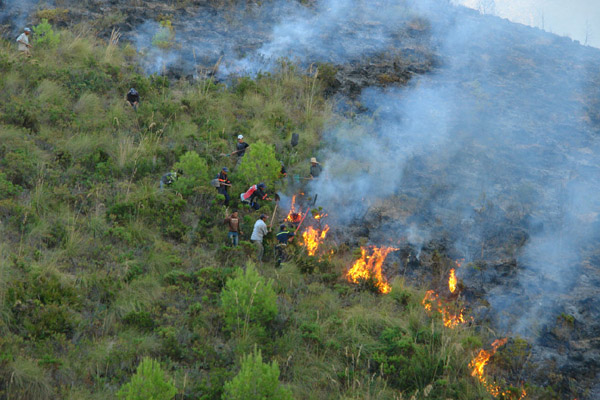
x=248, y=298
x=256, y=380
x=7, y=189
x=44, y=35
x=165, y=36
x=259, y=165
x=195, y=173
x=148, y=383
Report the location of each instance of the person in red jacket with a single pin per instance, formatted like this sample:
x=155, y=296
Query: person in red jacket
x=252, y=195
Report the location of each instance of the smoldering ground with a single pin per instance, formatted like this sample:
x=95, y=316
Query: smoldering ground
x=15, y=13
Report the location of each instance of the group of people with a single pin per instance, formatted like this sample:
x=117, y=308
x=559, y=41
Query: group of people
x=251, y=197
x=259, y=232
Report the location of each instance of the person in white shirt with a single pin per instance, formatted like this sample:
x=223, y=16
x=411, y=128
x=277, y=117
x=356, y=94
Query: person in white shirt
x=259, y=232
x=23, y=41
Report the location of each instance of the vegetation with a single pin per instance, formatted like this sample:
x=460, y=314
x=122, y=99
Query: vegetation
x=148, y=383
x=100, y=269
x=256, y=380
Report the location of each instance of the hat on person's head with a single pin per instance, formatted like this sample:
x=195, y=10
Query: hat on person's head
x=27, y=30
x=282, y=226
x=314, y=160
x=240, y=137
x=262, y=185
x=263, y=216
x=225, y=169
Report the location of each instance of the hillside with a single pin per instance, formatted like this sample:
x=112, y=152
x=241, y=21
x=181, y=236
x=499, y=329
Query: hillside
x=101, y=268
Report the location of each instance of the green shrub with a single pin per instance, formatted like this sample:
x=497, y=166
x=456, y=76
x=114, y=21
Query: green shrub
x=256, y=380
x=248, y=299
x=142, y=320
x=258, y=165
x=165, y=36
x=195, y=173
x=7, y=189
x=148, y=383
x=20, y=167
x=44, y=35
x=409, y=362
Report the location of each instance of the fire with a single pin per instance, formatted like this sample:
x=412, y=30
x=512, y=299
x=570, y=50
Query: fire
x=294, y=215
x=368, y=267
x=313, y=238
x=478, y=365
x=452, y=281
x=450, y=319
x=319, y=216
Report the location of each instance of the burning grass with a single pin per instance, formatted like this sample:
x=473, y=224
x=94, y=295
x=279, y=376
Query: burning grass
x=451, y=316
x=313, y=238
x=478, y=370
x=368, y=268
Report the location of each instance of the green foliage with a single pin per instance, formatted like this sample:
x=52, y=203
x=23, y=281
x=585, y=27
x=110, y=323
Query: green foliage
x=259, y=164
x=20, y=167
x=195, y=173
x=44, y=35
x=7, y=189
x=165, y=36
x=248, y=298
x=148, y=383
x=52, y=14
x=256, y=380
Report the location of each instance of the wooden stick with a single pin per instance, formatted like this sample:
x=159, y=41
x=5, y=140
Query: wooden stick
x=273, y=217
x=300, y=224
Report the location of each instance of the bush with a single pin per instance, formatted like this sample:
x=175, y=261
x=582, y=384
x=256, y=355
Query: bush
x=248, y=299
x=165, y=36
x=21, y=167
x=7, y=189
x=256, y=380
x=259, y=165
x=195, y=173
x=148, y=383
x=45, y=35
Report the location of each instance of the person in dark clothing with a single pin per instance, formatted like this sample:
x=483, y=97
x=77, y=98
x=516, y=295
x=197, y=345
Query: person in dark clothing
x=283, y=238
x=233, y=221
x=168, y=179
x=241, y=146
x=315, y=168
x=240, y=149
x=224, y=184
x=252, y=195
x=285, y=235
x=133, y=97
x=283, y=171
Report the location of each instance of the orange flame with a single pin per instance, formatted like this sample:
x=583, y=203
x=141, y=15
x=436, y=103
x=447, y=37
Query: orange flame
x=313, y=238
x=367, y=267
x=450, y=319
x=452, y=281
x=320, y=216
x=294, y=215
x=480, y=361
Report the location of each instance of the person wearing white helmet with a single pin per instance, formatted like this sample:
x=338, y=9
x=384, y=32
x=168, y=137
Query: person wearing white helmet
x=23, y=42
x=240, y=149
